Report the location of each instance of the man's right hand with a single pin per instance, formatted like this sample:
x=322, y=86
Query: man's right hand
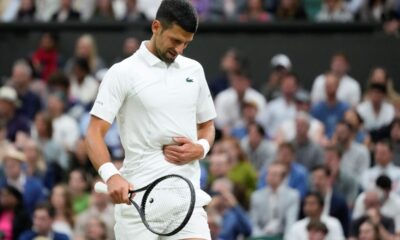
x=118, y=189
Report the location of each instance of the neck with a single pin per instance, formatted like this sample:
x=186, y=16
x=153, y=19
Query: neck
x=331, y=100
x=151, y=46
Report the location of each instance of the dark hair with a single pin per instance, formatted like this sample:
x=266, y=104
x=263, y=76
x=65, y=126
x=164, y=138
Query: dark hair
x=259, y=128
x=384, y=182
x=385, y=142
x=334, y=148
x=378, y=87
x=325, y=169
x=318, y=196
x=83, y=64
x=58, y=79
x=180, y=12
x=317, y=225
x=47, y=207
x=287, y=145
x=17, y=194
x=341, y=55
x=347, y=124
x=291, y=75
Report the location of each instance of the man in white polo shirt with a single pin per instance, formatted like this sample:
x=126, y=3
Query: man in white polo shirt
x=164, y=112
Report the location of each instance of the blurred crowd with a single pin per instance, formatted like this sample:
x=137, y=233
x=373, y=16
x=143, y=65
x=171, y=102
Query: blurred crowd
x=289, y=162
x=209, y=10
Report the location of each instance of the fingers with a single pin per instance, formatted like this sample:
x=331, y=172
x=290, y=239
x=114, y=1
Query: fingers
x=118, y=189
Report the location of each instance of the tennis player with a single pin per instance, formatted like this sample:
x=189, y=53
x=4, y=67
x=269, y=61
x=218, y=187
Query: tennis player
x=164, y=112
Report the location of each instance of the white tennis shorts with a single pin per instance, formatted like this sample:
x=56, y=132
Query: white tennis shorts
x=129, y=225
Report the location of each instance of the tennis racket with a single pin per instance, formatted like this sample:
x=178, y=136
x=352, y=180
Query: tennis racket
x=166, y=206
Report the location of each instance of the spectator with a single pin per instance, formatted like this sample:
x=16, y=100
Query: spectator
x=13, y=218
x=281, y=65
x=335, y=204
x=308, y=153
x=395, y=141
x=86, y=48
x=228, y=102
x=83, y=88
x=10, y=10
x=313, y=209
x=65, y=128
x=316, y=230
x=389, y=201
x=376, y=112
x=66, y=13
x=260, y=151
x=334, y=11
x=95, y=229
x=9, y=104
x=342, y=182
x=383, y=165
x=290, y=10
x=249, y=112
x=353, y=118
x=133, y=14
x=281, y=108
x=254, y=12
x=348, y=91
x=43, y=219
x=219, y=167
x=80, y=159
x=372, y=213
x=78, y=186
x=30, y=187
x=85, y=8
x=381, y=76
x=103, y=12
x=58, y=82
x=61, y=201
x=130, y=45
x=297, y=177
x=46, y=59
x=234, y=221
x=331, y=110
x=274, y=208
x=223, y=10
x=376, y=11
x=45, y=9
x=355, y=158
x=26, y=11
x=21, y=81
x=369, y=231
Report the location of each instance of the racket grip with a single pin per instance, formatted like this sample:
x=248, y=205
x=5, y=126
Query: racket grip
x=100, y=187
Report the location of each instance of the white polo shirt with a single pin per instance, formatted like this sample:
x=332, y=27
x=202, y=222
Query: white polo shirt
x=153, y=103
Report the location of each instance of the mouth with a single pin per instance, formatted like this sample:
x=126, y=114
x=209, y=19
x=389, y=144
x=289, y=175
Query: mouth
x=172, y=53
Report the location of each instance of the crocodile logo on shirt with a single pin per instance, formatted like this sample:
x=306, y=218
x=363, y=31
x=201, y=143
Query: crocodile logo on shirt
x=189, y=79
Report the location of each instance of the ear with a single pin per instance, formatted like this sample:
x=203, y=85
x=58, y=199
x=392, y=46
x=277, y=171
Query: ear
x=155, y=26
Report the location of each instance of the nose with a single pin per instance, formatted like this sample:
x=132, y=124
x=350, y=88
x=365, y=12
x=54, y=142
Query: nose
x=179, y=49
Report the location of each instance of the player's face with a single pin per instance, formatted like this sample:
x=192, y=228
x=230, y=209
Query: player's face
x=170, y=42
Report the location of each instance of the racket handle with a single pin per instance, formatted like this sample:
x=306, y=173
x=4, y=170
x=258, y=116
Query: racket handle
x=100, y=187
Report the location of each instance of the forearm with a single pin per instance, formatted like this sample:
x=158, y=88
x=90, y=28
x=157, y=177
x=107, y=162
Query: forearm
x=206, y=131
x=97, y=149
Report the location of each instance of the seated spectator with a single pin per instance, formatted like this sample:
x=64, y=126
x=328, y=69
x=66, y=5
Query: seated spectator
x=228, y=102
x=129, y=47
x=369, y=231
x=381, y=76
x=234, y=220
x=103, y=12
x=297, y=176
x=43, y=219
x=355, y=157
x=13, y=218
x=78, y=186
x=376, y=11
x=340, y=178
x=66, y=13
x=85, y=47
x=64, y=219
x=259, y=150
x=331, y=110
x=383, y=165
x=335, y=204
x=395, y=141
x=274, y=209
x=133, y=14
x=219, y=167
x=313, y=210
x=290, y=10
x=281, y=108
x=26, y=11
x=249, y=114
x=31, y=188
x=58, y=82
x=372, y=213
x=348, y=91
x=334, y=11
x=95, y=229
x=46, y=59
x=254, y=12
x=316, y=230
x=100, y=208
x=280, y=66
x=376, y=112
x=222, y=10
x=389, y=200
x=353, y=118
x=308, y=153
x=9, y=104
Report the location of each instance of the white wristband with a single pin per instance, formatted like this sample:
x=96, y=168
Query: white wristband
x=206, y=146
x=108, y=170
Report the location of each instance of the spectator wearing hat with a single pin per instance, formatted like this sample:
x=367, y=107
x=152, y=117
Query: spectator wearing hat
x=348, y=91
x=13, y=218
x=389, y=201
x=281, y=108
x=9, y=104
x=376, y=112
x=280, y=64
x=31, y=188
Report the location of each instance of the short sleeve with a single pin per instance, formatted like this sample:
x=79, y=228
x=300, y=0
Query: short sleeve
x=110, y=97
x=205, y=109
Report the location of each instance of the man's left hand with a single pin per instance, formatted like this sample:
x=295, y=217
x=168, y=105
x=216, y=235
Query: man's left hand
x=184, y=151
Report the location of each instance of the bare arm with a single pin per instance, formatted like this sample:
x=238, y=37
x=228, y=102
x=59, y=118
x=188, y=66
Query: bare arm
x=118, y=187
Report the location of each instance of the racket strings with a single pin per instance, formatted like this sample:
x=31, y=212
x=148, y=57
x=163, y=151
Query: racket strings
x=167, y=205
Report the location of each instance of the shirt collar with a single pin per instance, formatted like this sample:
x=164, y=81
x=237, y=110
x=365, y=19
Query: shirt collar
x=152, y=60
